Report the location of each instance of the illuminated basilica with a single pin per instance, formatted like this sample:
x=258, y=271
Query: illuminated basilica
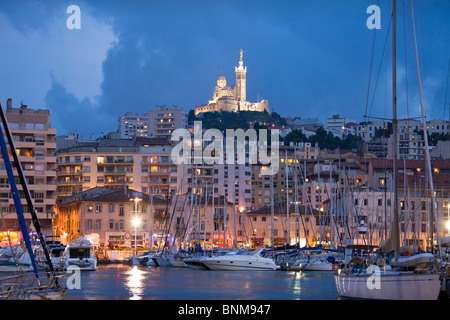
x=232, y=98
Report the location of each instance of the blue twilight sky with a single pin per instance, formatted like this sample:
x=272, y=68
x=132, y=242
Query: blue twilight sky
x=308, y=58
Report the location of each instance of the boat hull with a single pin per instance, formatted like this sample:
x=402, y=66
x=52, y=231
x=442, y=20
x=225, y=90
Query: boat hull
x=319, y=267
x=389, y=286
x=195, y=263
x=236, y=265
x=83, y=265
x=12, y=267
x=177, y=263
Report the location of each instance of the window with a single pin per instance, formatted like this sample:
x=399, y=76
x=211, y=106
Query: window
x=111, y=224
x=89, y=224
x=111, y=208
x=98, y=208
x=98, y=224
x=90, y=208
x=121, y=210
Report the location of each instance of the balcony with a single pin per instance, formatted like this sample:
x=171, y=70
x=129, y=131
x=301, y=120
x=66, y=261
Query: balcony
x=69, y=182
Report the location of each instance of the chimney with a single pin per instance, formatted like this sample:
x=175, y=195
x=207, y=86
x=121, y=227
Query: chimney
x=9, y=104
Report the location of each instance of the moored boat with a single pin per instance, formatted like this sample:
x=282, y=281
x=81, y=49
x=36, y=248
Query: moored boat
x=79, y=253
x=241, y=260
x=388, y=285
x=14, y=259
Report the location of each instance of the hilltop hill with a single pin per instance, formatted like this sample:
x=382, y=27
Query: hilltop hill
x=235, y=120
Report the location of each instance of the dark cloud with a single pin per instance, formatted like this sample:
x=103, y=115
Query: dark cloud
x=71, y=114
x=308, y=58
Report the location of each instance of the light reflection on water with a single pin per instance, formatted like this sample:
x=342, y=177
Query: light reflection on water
x=135, y=283
x=123, y=282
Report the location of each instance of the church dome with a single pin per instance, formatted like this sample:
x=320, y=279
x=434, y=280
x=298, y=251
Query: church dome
x=222, y=82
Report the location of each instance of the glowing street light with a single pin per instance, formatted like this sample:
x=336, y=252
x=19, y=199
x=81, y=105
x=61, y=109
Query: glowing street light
x=136, y=222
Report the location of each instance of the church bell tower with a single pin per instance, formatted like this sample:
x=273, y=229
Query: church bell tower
x=241, y=81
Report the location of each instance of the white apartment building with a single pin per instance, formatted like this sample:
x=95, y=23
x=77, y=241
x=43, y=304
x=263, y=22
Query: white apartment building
x=410, y=144
x=131, y=125
x=336, y=122
x=160, y=122
x=367, y=131
x=230, y=180
x=438, y=126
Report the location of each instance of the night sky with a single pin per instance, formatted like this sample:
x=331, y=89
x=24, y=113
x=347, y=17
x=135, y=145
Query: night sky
x=308, y=58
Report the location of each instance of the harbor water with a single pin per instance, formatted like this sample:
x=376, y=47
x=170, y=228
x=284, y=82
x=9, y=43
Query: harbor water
x=127, y=282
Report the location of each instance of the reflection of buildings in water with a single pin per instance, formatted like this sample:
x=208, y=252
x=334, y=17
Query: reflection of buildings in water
x=135, y=283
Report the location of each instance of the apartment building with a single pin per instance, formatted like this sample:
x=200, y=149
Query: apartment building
x=231, y=180
x=289, y=175
x=34, y=141
x=143, y=164
x=131, y=125
x=160, y=122
x=410, y=143
x=438, y=126
x=367, y=131
x=340, y=127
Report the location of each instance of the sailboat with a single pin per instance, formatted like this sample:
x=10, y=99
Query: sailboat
x=417, y=281
x=34, y=285
x=14, y=257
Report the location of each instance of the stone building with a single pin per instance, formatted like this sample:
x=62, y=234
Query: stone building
x=232, y=98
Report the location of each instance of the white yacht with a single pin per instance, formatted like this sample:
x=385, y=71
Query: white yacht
x=79, y=253
x=241, y=261
x=388, y=285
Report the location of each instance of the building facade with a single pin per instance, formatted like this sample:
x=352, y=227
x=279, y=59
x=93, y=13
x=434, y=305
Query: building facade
x=158, y=123
x=142, y=163
x=34, y=139
x=112, y=217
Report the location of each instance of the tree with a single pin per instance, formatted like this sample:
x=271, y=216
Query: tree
x=295, y=136
x=385, y=132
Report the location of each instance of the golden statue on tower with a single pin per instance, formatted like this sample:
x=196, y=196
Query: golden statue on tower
x=241, y=54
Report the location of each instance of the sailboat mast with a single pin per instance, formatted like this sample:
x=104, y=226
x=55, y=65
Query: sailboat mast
x=395, y=225
x=427, y=150
x=17, y=202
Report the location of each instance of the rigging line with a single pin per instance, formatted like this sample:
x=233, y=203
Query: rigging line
x=446, y=90
x=381, y=63
x=427, y=151
x=406, y=65
x=370, y=69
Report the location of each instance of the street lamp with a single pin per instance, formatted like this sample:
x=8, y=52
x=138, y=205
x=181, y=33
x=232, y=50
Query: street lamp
x=136, y=221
